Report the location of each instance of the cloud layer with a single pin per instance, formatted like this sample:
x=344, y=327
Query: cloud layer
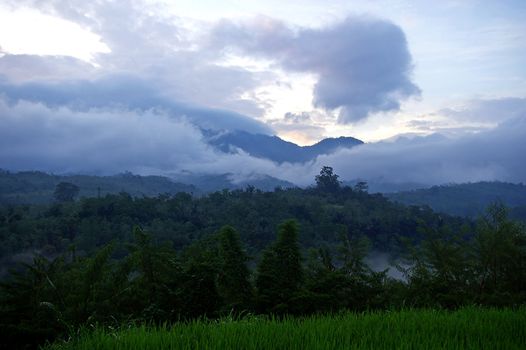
x=496, y=154
x=125, y=92
x=58, y=139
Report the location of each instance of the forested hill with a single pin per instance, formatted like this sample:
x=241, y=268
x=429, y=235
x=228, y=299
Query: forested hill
x=117, y=259
x=324, y=215
x=38, y=187
x=35, y=187
x=469, y=199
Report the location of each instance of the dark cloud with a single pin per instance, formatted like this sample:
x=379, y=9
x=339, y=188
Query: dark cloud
x=22, y=68
x=128, y=93
x=363, y=64
x=297, y=118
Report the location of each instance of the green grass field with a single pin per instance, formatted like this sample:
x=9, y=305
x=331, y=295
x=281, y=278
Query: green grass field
x=469, y=328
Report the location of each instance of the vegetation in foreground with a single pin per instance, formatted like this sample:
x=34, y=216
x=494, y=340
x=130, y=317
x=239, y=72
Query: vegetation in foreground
x=467, y=328
x=143, y=282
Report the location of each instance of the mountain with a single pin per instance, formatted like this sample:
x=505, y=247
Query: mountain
x=469, y=199
x=35, y=187
x=38, y=187
x=275, y=148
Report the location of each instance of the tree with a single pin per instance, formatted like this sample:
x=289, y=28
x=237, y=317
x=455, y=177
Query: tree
x=353, y=251
x=280, y=274
x=66, y=192
x=289, y=257
x=361, y=186
x=156, y=272
x=327, y=181
x=200, y=295
x=440, y=268
x=500, y=250
x=233, y=282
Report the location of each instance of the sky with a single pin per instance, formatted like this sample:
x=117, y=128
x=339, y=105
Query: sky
x=128, y=85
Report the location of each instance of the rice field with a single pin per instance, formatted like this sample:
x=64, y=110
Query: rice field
x=468, y=328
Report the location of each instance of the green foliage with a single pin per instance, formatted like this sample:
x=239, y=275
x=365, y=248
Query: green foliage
x=120, y=260
x=441, y=270
x=154, y=272
x=149, y=282
x=353, y=251
x=487, y=266
x=469, y=328
x=182, y=219
x=500, y=252
x=30, y=305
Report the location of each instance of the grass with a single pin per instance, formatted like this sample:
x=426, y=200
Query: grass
x=468, y=328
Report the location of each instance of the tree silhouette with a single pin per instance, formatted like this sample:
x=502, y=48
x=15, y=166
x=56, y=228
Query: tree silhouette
x=66, y=192
x=280, y=274
x=233, y=281
x=327, y=181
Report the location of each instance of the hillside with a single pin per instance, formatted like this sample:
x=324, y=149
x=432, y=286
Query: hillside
x=35, y=187
x=469, y=199
x=182, y=218
x=38, y=187
x=293, y=252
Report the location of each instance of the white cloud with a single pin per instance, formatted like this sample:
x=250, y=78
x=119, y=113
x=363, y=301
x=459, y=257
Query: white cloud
x=34, y=136
x=28, y=31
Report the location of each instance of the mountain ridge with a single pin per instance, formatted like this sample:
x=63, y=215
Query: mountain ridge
x=275, y=148
x=467, y=199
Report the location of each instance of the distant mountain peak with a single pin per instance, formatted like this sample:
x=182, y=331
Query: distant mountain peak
x=274, y=148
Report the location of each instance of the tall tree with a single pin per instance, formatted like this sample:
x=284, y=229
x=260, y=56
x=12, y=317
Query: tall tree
x=353, y=250
x=157, y=271
x=199, y=281
x=280, y=274
x=500, y=248
x=233, y=281
x=327, y=180
x=289, y=258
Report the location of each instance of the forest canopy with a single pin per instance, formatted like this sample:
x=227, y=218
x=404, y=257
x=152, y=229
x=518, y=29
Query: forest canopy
x=117, y=259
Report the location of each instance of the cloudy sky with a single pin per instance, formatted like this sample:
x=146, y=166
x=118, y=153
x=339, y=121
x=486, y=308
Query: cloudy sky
x=435, y=87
